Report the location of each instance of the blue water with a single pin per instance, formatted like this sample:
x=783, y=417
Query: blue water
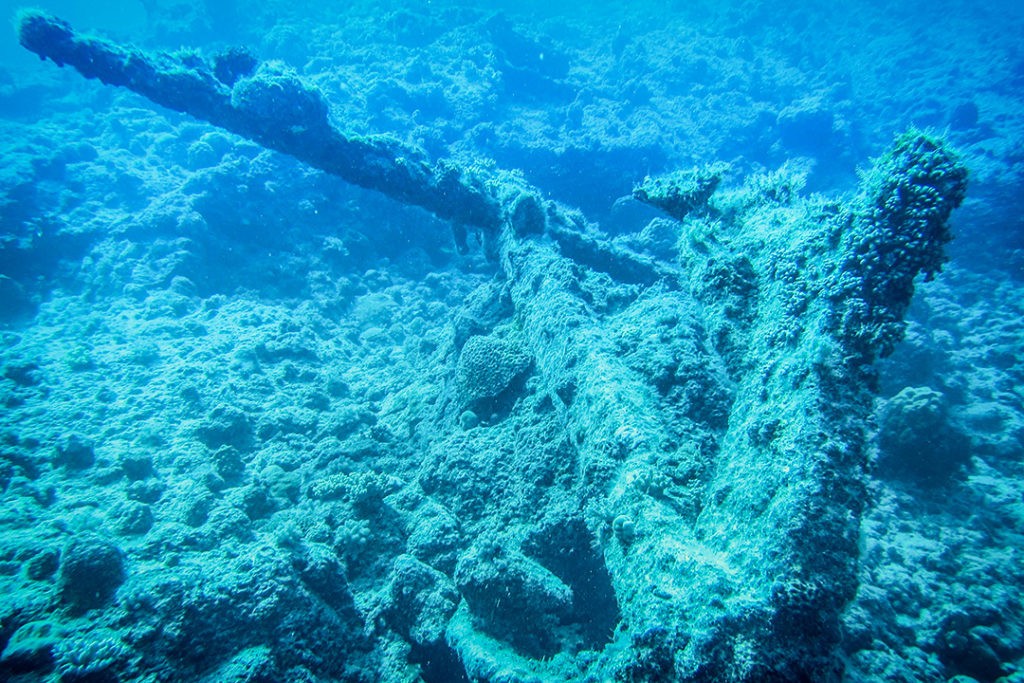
x=277, y=408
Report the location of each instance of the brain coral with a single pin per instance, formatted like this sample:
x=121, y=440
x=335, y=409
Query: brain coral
x=487, y=367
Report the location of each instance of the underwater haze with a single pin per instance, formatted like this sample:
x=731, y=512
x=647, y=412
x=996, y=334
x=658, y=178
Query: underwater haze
x=511, y=342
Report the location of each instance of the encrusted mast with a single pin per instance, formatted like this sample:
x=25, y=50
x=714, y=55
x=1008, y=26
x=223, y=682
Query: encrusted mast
x=724, y=481
x=272, y=106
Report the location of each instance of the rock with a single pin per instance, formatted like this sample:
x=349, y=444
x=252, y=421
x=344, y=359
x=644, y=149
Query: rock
x=514, y=598
x=420, y=600
x=30, y=648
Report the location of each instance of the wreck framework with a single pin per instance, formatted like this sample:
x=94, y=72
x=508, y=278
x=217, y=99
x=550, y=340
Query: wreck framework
x=727, y=517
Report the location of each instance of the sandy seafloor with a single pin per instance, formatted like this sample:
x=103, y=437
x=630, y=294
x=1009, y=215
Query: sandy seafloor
x=231, y=440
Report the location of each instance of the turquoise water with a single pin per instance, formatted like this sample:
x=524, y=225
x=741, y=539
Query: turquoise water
x=441, y=341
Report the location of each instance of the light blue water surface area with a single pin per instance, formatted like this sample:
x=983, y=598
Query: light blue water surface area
x=511, y=342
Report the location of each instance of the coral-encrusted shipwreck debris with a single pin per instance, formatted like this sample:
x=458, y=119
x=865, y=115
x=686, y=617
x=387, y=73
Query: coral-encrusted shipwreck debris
x=735, y=449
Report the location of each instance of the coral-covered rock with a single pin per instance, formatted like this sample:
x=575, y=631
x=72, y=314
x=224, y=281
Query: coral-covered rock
x=74, y=452
x=226, y=426
x=916, y=438
x=681, y=193
x=91, y=570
